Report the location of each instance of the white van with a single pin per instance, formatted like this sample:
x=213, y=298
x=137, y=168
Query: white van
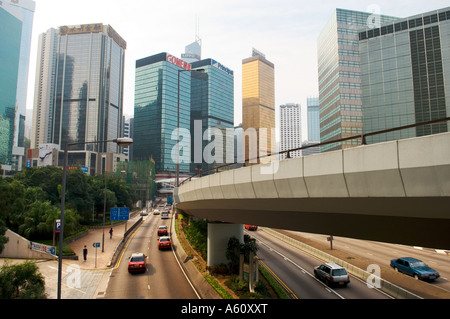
x=165, y=215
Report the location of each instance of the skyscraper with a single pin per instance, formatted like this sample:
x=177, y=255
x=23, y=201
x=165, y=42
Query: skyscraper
x=258, y=101
x=290, y=129
x=156, y=111
x=340, y=76
x=128, y=125
x=405, y=70
x=44, y=91
x=193, y=52
x=89, y=86
x=212, y=105
x=16, y=21
x=312, y=104
x=85, y=102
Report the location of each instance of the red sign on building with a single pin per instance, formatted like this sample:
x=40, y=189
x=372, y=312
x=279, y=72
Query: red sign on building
x=178, y=62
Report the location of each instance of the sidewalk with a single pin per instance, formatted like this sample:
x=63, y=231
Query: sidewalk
x=85, y=279
x=98, y=258
x=89, y=279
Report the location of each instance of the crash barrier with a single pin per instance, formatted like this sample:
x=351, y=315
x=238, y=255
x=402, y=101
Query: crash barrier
x=123, y=242
x=385, y=286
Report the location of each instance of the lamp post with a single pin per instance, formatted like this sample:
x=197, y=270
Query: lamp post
x=121, y=141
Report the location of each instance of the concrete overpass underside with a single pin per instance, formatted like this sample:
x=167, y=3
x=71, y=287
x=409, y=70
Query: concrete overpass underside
x=352, y=217
x=396, y=192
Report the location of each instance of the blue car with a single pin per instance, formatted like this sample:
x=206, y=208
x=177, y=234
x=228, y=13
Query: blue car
x=415, y=268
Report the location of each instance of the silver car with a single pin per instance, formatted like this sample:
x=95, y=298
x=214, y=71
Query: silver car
x=332, y=273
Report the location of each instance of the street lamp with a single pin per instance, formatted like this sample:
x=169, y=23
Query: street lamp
x=121, y=142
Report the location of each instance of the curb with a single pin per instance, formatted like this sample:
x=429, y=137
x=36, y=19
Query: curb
x=201, y=285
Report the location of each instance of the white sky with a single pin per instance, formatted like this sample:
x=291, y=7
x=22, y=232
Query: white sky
x=285, y=31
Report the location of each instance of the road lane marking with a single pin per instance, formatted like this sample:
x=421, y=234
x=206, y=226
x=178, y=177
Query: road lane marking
x=185, y=275
x=301, y=268
x=289, y=291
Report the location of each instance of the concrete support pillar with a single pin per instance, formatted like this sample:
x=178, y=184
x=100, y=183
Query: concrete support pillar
x=218, y=236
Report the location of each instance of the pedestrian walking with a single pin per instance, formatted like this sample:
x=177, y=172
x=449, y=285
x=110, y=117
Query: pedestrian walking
x=85, y=252
x=110, y=233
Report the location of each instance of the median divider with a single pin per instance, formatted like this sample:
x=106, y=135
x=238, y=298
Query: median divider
x=122, y=243
x=385, y=286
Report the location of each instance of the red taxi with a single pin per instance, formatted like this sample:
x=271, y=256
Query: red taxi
x=164, y=243
x=137, y=263
x=162, y=230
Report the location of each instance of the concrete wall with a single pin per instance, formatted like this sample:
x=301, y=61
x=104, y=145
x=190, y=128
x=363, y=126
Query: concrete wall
x=416, y=167
x=19, y=248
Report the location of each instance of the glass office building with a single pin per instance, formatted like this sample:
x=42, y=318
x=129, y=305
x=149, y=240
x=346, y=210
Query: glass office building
x=340, y=101
x=89, y=87
x=258, y=100
x=16, y=21
x=405, y=69
x=156, y=111
x=212, y=103
x=10, y=31
x=312, y=104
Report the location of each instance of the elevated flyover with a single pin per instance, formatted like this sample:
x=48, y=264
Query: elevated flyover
x=396, y=192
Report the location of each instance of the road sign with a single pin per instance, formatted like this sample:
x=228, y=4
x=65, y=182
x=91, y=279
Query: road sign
x=57, y=226
x=96, y=245
x=120, y=213
x=43, y=248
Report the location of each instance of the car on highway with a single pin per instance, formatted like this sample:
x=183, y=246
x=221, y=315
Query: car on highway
x=165, y=215
x=162, y=230
x=164, y=243
x=415, y=268
x=156, y=212
x=332, y=274
x=251, y=227
x=137, y=263
x=144, y=213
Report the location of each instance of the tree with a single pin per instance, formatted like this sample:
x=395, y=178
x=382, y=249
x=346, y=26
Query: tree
x=233, y=252
x=11, y=199
x=249, y=245
x=3, y=238
x=38, y=220
x=21, y=281
x=235, y=248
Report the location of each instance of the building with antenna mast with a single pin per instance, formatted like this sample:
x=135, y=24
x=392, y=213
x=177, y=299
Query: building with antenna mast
x=193, y=51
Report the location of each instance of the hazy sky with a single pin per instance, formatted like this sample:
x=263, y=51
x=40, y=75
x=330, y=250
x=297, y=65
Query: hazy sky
x=285, y=31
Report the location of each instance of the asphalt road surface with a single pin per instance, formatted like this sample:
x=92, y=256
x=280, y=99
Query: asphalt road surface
x=295, y=270
x=163, y=278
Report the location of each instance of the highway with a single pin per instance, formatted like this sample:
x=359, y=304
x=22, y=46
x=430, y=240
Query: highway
x=381, y=254
x=163, y=278
x=295, y=269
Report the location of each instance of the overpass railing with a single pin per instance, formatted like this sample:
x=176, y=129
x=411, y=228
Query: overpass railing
x=362, y=138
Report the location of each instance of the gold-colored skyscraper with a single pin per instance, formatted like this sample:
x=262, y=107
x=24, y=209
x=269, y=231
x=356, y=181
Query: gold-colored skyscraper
x=258, y=101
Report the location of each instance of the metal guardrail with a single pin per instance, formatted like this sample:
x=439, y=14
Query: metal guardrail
x=122, y=243
x=360, y=136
